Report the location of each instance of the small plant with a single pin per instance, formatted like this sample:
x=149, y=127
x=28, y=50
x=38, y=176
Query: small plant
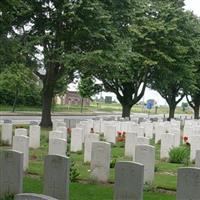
x=180, y=155
x=156, y=169
x=8, y=196
x=149, y=187
x=4, y=143
x=113, y=162
x=73, y=172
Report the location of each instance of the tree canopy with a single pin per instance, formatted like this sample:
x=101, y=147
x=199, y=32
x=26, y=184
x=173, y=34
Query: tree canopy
x=127, y=45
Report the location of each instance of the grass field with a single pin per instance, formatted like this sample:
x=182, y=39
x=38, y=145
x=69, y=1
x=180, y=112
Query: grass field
x=102, y=107
x=82, y=189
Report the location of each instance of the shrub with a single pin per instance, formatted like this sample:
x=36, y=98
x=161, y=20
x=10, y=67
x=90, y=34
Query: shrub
x=8, y=196
x=180, y=155
x=73, y=172
x=112, y=163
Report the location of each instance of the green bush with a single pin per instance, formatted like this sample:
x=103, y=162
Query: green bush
x=73, y=172
x=180, y=155
x=112, y=163
x=8, y=196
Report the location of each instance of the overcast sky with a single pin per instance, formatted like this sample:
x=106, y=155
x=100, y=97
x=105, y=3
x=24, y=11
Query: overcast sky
x=192, y=5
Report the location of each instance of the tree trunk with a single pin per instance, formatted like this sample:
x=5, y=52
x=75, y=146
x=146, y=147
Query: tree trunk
x=196, y=112
x=46, y=108
x=15, y=100
x=81, y=104
x=126, y=110
x=47, y=97
x=172, y=109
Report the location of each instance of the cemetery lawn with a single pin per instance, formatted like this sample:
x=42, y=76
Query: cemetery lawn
x=163, y=187
x=102, y=107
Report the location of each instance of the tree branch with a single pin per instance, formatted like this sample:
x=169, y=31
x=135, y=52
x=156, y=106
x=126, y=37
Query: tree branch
x=190, y=102
x=41, y=76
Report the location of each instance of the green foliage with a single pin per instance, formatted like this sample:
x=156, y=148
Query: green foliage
x=8, y=196
x=180, y=155
x=87, y=87
x=184, y=106
x=175, y=73
x=18, y=82
x=112, y=163
x=74, y=174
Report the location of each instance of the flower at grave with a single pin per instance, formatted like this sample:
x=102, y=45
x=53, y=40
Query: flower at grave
x=119, y=133
x=120, y=139
x=185, y=138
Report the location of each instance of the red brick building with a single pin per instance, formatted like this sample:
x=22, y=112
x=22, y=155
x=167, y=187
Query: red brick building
x=73, y=98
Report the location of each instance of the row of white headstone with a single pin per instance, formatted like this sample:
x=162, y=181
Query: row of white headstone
x=34, y=134
x=58, y=139
x=129, y=177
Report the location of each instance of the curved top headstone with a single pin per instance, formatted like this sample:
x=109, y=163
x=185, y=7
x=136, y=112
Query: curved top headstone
x=7, y=121
x=33, y=123
x=32, y=196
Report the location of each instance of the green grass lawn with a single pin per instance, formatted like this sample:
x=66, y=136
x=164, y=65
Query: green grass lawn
x=82, y=191
x=103, y=107
x=165, y=175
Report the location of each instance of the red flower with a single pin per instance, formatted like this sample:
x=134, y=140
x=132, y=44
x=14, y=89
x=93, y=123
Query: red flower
x=185, y=138
x=119, y=133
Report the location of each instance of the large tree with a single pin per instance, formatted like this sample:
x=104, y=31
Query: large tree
x=193, y=95
x=53, y=34
x=126, y=70
x=175, y=50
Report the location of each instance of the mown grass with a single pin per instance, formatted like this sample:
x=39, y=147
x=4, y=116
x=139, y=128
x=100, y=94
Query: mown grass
x=103, y=107
x=80, y=191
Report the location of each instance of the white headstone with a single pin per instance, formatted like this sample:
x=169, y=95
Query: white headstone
x=167, y=143
x=92, y=137
x=97, y=126
x=6, y=134
x=145, y=154
x=21, y=132
x=142, y=140
x=100, y=161
x=57, y=146
x=57, y=134
x=64, y=132
x=195, y=145
x=140, y=131
x=197, y=160
x=177, y=136
x=148, y=129
x=76, y=139
x=110, y=133
x=11, y=173
x=188, y=184
x=159, y=130
x=128, y=181
x=21, y=144
x=32, y=196
x=56, y=176
x=130, y=142
x=34, y=134
x=83, y=127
